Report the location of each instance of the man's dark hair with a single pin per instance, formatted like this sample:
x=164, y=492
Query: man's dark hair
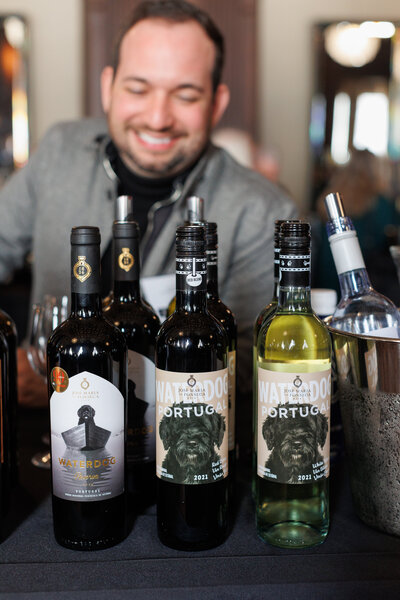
x=176, y=11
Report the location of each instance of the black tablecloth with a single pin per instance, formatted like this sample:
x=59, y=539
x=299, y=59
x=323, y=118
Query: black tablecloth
x=354, y=562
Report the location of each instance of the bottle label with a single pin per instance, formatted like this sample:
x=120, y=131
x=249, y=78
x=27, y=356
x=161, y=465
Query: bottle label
x=293, y=425
x=231, y=398
x=126, y=263
x=294, y=269
x=85, y=265
x=191, y=273
x=192, y=426
x=87, y=438
x=141, y=443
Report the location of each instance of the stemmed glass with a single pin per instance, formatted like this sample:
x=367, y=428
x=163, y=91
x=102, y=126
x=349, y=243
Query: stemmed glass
x=45, y=317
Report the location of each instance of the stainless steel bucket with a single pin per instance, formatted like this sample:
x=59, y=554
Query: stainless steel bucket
x=368, y=371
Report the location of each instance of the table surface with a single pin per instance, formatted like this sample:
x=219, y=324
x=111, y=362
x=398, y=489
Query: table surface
x=355, y=561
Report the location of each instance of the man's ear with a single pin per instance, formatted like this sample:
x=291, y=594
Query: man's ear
x=106, y=82
x=221, y=100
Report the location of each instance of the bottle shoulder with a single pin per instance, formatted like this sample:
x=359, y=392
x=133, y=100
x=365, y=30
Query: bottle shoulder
x=365, y=313
x=94, y=330
x=201, y=325
x=294, y=333
x=125, y=314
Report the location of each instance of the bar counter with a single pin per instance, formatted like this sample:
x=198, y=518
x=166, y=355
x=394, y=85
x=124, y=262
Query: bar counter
x=355, y=561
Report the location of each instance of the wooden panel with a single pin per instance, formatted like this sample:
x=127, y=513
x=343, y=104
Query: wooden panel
x=235, y=18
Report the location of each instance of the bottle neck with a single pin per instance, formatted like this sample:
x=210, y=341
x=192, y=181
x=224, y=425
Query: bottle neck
x=86, y=305
x=126, y=264
x=349, y=263
x=354, y=283
x=85, y=280
x=294, y=293
x=212, y=273
x=276, y=272
x=191, y=283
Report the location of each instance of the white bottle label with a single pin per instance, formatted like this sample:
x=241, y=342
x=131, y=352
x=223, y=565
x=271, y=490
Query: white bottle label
x=141, y=443
x=192, y=426
x=293, y=425
x=87, y=437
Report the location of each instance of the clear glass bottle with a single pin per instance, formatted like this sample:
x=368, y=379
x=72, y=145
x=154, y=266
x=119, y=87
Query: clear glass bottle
x=361, y=309
x=294, y=388
x=264, y=315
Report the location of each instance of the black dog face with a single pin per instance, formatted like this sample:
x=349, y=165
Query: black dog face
x=294, y=441
x=85, y=413
x=191, y=440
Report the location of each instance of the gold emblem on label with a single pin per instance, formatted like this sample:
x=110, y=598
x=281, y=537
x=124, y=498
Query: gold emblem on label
x=82, y=270
x=126, y=260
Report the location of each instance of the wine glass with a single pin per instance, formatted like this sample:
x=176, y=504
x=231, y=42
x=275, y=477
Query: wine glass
x=45, y=317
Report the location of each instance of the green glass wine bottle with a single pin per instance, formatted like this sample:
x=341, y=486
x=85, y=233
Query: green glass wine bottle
x=293, y=407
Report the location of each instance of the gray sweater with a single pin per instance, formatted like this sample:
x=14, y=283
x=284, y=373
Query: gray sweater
x=68, y=182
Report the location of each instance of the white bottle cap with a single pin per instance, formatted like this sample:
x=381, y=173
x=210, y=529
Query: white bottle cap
x=323, y=301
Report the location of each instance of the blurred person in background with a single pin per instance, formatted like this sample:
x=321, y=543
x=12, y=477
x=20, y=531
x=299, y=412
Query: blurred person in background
x=162, y=98
x=365, y=183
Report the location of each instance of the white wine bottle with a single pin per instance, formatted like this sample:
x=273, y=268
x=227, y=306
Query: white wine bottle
x=293, y=407
x=265, y=314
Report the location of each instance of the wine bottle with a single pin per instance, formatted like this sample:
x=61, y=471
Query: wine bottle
x=192, y=409
x=86, y=373
x=194, y=216
x=5, y=433
x=361, y=309
x=123, y=211
x=139, y=325
x=9, y=330
x=265, y=314
x=224, y=315
x=294, y=367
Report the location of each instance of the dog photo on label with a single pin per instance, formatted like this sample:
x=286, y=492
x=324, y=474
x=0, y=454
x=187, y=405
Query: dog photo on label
x=294, y=441
x=190, y=435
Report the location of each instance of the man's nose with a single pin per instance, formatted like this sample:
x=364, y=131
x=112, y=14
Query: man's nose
x=159, y=115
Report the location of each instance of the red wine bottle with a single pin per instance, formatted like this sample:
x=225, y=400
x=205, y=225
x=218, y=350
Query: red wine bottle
x=139, y=325
x=225, y=316
x=86, y=372
x=192, y=409
x=5, y=434
x=9, y=330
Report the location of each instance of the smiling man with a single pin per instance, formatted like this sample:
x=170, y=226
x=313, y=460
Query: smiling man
x=162, y=97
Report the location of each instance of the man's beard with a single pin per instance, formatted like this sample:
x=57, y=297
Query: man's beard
x=146, y=169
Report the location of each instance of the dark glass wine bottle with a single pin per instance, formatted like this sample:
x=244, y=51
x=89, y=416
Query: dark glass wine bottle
x=225, y=316
x=86, y=372
x=194, y=216
x=293, y=408
x=9, y=330
x=192, y=409
x=5, y=433
x=140, y=325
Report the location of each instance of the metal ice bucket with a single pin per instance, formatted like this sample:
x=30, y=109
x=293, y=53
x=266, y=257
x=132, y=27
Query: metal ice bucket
x=368, y=371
